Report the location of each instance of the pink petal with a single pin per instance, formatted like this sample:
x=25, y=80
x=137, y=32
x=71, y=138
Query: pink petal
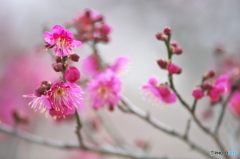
x=47, y=37
x=77, y=43
x=57, y=29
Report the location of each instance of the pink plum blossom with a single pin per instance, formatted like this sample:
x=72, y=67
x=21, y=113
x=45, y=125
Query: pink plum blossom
x=220, y=87
x=91, y=26
x=24, y=72
x=62, y=40
x=234, y=104
x=105, y=89
x=59, y=100
x=161, y=92
x=92, y=66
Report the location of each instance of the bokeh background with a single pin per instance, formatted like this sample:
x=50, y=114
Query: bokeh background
x=197, y=25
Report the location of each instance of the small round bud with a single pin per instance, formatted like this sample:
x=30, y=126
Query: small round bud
x=111, y=108
x=58, y=59
x=74, y=57
x=57, y=67
x=41, y=90
x=206, y=86
x=210, y=74
x=161, y=36
x=72, y=74
x=174, y=44
x=174, y=69
x=198, y=93
x=167, y=31
x=178, y=51
x=162, y=63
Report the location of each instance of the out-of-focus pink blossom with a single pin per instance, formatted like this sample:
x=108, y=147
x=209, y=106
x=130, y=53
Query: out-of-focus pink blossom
x=173, y=69
x=60, y=99
x=119, y=64
x=220, y=87
x=21, y=74
x=198, y=93
x=62, y=40
x=161, y=92
x=91, y=26
x=72, y=74
x=234, y=104
x=92, y=67
x=105, y=89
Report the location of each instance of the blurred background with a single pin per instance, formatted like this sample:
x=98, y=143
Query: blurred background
x=198, y=26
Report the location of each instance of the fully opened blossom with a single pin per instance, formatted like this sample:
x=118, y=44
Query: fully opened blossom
x=62, y=40
x=60, y=99
x=105, y=89
x=160, y=92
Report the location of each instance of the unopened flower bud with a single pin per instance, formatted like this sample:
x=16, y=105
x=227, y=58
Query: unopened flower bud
x=198, y=93
x=58, y=59
x=206, y=86
x=178, y=51
x=161, y=36
x=167, y=31
x=74, y=57
x=179, y=71
x=174, y=44
x=174, y=69
x=41, y=90
x=72, y=74
x=57, y=67
x=162, y=63
x=111, y=108
x=210, y=74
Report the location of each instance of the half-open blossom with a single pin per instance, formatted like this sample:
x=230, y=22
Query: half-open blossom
x=160, y=92
x=62, y=40
x=220, y=87
x=105, y=89
x=72, y=74
x=60, y=99
x=234, y=104
x=198, y=93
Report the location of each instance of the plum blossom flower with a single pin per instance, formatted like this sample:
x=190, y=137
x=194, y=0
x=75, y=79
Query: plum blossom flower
x=62, y=40
x=59, y=100
x=220, y=87
x=234, y=104
x=160, y=92
x=92, y=66
x=91, y=26
x=105, y=89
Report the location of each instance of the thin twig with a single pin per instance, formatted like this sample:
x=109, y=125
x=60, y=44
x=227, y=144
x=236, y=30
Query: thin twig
x=78, y=129
x=62, y=145
x=224, y=106
x=187, y=128
x=157, y=124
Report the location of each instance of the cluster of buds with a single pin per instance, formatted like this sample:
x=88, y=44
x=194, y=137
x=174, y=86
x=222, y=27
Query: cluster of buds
x=71, y=73
x=91, y=27
x=213, y=90
x=206, y=86
x=44, y=87
x=168, y=65
x=175, y=48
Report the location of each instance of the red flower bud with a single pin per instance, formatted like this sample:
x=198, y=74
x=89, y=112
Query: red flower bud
x=74, y=57
x=167, y=31
x=162, y=63
x=72, y=74
x=57, y=67
x=161, y=36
